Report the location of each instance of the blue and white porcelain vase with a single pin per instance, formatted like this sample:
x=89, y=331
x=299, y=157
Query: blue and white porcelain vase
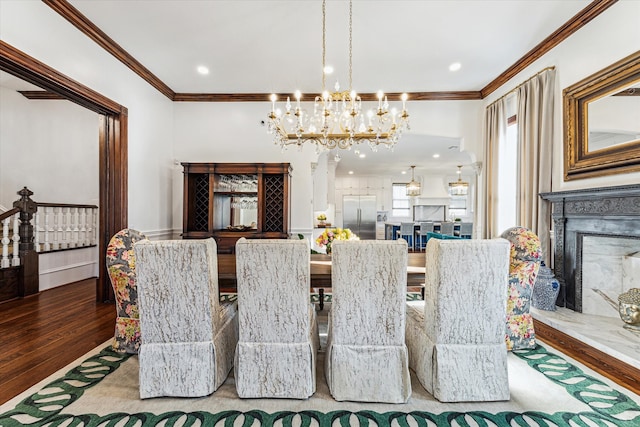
x=545, y=290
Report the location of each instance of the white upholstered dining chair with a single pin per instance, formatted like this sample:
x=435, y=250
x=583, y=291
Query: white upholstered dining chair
x=366, y=356
x=189, y=336
x=276, y=351
x=456, y=335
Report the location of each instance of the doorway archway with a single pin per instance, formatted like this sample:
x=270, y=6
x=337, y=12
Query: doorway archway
x=113, y=143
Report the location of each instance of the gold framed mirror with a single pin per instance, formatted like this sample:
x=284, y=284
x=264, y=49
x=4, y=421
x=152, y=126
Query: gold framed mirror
x=602, y=122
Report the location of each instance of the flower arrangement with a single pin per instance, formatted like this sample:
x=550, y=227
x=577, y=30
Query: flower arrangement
x=331, y=234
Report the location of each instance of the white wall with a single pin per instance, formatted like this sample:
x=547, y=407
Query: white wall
x=608, y=38
x=52, y=40
x=40, y=150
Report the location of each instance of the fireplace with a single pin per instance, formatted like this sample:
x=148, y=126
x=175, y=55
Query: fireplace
x=588, y=217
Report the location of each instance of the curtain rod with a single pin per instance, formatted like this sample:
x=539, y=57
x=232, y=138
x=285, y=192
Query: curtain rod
x=553, y=67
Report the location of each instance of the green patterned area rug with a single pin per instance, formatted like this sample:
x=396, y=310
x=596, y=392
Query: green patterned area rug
x=102, y=390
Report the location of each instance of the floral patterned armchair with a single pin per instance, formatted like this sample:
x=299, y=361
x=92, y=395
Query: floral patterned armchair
x=121, y=266
x=525, y=258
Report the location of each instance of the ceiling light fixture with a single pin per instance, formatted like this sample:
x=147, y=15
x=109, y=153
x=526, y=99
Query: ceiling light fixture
x=337, y=120
x=413, y=187
x=459, y=187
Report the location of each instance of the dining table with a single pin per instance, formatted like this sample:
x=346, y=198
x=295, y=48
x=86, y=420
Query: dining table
x=320, y=273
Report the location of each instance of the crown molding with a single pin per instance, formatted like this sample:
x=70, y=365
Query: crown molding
x=82, y=23
x=581, y=19
x=262, y=97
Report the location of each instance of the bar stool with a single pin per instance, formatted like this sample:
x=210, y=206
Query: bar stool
x=446, y=228
x=421, y=234
x=406, y=232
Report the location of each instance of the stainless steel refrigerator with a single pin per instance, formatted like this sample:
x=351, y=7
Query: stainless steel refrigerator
x=359, y=215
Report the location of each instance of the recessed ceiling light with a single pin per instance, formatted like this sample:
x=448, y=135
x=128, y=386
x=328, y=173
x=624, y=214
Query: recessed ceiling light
x=350, y=172
x=435, y=156
x=328, y=69
x=362, y=155
x=403, y=172
x=202, y=70
x=455, y=66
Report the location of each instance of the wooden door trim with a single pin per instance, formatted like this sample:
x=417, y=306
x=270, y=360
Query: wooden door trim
x=113, y=145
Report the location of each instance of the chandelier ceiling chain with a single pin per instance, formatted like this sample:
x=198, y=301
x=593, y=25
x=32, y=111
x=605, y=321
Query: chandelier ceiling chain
x=350, y=46
x=337, y=120
x=324, y=43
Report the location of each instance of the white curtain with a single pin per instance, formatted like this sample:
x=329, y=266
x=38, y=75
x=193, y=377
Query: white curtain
x=495, y=131
x=535, y=145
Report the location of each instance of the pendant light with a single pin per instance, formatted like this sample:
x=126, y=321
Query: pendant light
x=459, y=187
x=413, y=188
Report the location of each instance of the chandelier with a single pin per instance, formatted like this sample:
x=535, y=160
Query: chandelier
x=459, y=187
x=413, y=187
x=337, y=120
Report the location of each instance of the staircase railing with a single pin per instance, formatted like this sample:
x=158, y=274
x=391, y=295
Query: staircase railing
x=30, y=228
x=61, y=226
x=10, y=220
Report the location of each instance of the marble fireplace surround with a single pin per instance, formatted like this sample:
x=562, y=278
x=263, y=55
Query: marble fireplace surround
x=599, y=212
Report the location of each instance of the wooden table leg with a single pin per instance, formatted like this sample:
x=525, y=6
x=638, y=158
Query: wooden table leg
x=321, y=298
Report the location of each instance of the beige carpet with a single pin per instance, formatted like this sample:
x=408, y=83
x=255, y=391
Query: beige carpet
x=547, y=389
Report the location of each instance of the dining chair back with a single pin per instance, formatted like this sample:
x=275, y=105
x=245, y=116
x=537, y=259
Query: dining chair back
x=189, y=335
x=366, y=356
x=121, y=267
x=455, y=335
x=526, y=256
x=278, y=342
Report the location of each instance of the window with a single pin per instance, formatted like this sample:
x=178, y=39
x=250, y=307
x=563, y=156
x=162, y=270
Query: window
x=400, y=204
x=508, y=177
x=458, y=206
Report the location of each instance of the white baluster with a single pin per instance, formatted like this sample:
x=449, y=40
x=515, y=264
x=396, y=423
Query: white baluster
x=16, y=240
x=89, y=221
x=57, y=228
x=83, y=227
x=66, y=230
x=36, y=231
x=47, y=229
x=5, y=243
x=96, y=227
x=76, y=230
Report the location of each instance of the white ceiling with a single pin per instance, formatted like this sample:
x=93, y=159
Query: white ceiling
x=264, y=46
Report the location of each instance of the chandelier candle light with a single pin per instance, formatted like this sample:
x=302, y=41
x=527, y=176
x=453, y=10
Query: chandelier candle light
x=337, y=120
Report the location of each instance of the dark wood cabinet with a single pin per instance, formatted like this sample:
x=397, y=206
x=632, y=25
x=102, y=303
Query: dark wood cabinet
x=227, y=201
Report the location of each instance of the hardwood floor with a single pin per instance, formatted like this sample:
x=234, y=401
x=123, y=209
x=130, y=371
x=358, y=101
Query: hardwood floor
x=43, y=333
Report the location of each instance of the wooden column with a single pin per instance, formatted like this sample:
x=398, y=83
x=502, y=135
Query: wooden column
x=28, y=282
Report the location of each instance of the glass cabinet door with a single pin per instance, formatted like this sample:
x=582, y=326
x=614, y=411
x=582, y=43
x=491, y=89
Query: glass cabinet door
x=235, y=202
